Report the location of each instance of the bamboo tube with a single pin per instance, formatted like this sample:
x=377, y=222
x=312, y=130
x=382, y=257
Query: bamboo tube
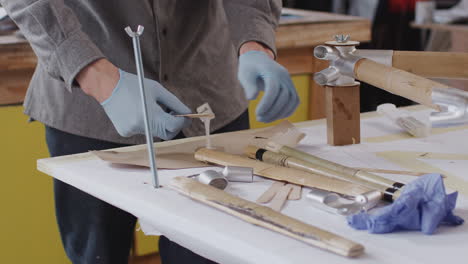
x=410, y=173
x=292, y=152
x=280, y=173
x=397, y=81
x=446, y=65
x=388, y=194
x=265, y=217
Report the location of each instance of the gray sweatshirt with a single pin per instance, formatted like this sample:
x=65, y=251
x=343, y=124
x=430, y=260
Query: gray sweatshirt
x=189, y=46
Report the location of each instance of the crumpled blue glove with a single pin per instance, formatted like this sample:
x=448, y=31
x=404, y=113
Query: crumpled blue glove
x=126, y=113
x=258, y=72
x=422, y=205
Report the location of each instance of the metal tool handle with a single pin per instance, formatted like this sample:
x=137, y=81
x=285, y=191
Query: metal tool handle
x=139, y=65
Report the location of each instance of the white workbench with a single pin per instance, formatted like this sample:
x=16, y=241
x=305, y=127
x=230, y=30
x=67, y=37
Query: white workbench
x=226, y=239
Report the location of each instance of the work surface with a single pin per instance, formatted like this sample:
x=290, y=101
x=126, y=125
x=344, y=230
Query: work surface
x=226, y=239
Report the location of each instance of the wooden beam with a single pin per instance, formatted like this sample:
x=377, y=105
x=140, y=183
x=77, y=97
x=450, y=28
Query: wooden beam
x=444, y=65
x=266, y=217
x=310, y=35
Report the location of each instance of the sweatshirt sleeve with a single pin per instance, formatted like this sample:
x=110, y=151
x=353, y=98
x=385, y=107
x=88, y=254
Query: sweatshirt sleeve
x=55, y=35
x=253, y=20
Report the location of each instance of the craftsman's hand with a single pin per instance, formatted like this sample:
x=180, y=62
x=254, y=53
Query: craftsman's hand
x=423, y=205
x=259, y=72
x=123, y=104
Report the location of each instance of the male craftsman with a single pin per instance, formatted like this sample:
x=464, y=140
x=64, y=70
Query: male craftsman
x=86, y=94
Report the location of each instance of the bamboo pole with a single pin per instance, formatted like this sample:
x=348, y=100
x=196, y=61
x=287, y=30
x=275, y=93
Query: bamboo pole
x=352, y=172
x=397, y=81
x=410, y=173
x=280, y=173
x=388, y=193
x=266, y=217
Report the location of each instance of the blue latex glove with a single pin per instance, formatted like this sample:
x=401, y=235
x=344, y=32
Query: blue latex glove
x=125, y=110
x=422, y=205
x=258, y=72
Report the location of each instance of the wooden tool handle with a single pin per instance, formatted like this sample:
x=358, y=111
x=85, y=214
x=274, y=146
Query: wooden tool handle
x=397, y=81
x=266, y=217
x=447, y=65
x=280, y=173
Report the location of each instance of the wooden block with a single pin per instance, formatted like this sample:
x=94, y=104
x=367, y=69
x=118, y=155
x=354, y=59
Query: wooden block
x=267, y=196
x=343, y=115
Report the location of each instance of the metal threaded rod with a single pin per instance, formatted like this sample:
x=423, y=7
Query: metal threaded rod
x=148, y=133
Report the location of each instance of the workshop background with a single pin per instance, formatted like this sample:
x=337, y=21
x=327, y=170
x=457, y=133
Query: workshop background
x=29, y=230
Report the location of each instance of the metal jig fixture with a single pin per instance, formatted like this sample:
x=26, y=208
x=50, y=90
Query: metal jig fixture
x=342, y=204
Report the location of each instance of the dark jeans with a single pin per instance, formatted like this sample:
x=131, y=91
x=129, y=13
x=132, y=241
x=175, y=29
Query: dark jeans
x=94, y=231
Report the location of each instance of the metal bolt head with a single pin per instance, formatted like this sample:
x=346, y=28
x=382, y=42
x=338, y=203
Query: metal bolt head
x=341, y=38
x=133, y=34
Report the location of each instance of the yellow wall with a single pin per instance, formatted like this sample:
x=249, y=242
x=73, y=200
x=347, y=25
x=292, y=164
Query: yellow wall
x=302, y=86
x=28, y=220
